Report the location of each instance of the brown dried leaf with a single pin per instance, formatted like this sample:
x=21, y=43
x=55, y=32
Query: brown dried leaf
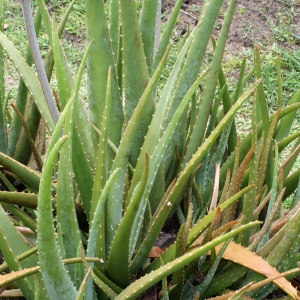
x=242, y=256
x=155, y=252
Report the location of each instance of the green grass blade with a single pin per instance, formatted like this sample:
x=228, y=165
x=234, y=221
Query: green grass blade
x=279, y=84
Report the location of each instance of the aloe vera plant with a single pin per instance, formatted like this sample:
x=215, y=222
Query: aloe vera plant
x=143, y=152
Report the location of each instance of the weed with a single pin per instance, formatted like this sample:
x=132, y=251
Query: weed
x=283, y=27
x=241, y=9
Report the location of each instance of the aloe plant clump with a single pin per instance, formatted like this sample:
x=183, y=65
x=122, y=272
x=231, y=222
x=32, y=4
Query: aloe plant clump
x=86, y=222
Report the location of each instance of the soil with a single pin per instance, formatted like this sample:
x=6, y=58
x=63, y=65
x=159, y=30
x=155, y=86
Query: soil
x=261, y=22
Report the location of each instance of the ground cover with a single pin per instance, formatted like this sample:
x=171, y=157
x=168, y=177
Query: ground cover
x=272, y=25
x=75, y=40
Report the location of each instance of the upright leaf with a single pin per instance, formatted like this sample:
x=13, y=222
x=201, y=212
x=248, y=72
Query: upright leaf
x=29, y=78
x=57, y=281
x=205, y=105
x=98, y=32
x=148, y=23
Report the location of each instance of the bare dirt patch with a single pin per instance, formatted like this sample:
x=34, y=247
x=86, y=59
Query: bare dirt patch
x=260, y=22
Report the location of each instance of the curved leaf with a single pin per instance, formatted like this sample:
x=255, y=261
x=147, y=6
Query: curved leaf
x=57, y=281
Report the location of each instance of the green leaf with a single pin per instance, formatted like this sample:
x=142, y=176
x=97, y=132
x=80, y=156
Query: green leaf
x=208, y=94
x=98, y=31
x=57, y=281
x=128, y=229
x=261, y=108
x=142, y=284
x=36, y=55
x=195, y=231
x=12, y=245
x=148, y=26
x=135, y=70
x=29, y=78
x=97, y=229
x=115, y=198
x=166, y=35
x=102, y=166
x=28, y=176
x=287, y=122
x=22, y=93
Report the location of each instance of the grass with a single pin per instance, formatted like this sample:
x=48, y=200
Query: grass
x=74, y=37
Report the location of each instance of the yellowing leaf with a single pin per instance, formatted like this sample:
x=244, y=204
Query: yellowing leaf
x=242, y=256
